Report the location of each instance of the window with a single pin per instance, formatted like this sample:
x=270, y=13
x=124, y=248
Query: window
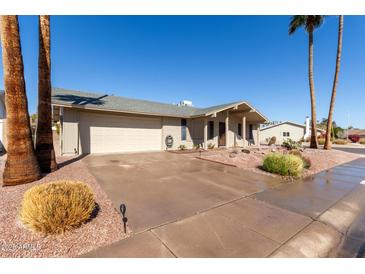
x=250, y=132
x=239, y=129
x=211, y=130
x=183, y=129
x=286, y=134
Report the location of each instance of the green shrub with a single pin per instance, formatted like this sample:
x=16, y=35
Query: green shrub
x=283, y=164
x=57, y=125
x=196, y=147
x=321, y=141
x=362, y=141
x=339, y=142
x=182, y=147
x=291, y=144
x=272, y=141
x=306, y=161
x=56, y=207
x=211, y=145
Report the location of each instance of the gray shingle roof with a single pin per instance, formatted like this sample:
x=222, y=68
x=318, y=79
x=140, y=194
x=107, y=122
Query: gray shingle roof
x=129, y=105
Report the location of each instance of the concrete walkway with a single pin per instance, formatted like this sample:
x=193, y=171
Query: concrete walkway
x=178, y=206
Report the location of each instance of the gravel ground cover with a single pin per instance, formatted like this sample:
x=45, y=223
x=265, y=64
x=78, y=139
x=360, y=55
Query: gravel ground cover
x=320, y=159
x=17, y=241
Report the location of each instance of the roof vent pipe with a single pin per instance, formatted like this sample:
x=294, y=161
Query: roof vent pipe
x=186, y=103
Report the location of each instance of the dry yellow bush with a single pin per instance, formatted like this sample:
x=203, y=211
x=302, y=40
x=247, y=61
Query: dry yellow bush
x=53, y=208
x=339, y=142
x=321, y=141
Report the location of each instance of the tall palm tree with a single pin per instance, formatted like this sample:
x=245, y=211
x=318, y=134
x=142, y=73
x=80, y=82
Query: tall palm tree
x=44, y=139
x=21, y=163
x=327, y=144
x=309, y=23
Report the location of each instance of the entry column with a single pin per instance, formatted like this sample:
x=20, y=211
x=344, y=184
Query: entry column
x=258, y=135
x=227, y=126
x=205, y=145
x=243, y=134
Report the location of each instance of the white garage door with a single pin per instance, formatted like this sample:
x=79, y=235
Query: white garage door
x=104, y=133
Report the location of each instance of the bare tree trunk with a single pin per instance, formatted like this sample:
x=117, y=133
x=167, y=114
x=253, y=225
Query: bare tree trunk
x=21, y=164
x=313, y=142
x=327, y=144
x=44, y=139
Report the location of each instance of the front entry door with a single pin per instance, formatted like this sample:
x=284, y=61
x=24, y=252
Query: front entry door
x=222, y=134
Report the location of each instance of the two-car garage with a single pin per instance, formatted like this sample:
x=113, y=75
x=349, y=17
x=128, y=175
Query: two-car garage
x=108, y=133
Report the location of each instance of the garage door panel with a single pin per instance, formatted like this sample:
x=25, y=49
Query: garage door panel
x=102, y=133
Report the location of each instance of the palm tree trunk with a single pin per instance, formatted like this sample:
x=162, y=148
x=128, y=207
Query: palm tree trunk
x=327, y=144
x=44, y=139
x=21, y=164
x=313, y=142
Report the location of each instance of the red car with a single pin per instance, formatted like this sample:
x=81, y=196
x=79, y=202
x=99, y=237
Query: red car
x=354, y=138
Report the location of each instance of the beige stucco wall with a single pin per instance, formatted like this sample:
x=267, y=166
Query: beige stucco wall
x=296, y=133
x=70, y=132
x=74, y=125
x=172, y=126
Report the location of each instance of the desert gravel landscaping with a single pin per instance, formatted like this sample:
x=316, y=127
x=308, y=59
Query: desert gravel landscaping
x=17, y=241
x=320, y=159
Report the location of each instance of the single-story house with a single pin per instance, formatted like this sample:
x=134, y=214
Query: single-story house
x=288, y=130
x=101, y=123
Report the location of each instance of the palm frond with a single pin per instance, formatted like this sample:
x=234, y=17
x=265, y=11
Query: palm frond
x=296, y=22
x=314, y=22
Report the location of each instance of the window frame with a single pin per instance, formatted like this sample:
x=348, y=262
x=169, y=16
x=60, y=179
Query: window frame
x=239, y=130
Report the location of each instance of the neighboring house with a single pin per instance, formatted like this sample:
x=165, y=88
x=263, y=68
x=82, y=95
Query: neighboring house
x=97, y=123
x=288, y=130
x=2, y=121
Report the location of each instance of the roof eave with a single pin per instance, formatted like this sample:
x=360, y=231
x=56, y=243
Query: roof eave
x=119, y=111
x=264, y=118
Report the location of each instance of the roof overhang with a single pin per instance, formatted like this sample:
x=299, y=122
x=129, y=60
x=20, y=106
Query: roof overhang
x=149, y=108
x=240, y=107
x=73, y=106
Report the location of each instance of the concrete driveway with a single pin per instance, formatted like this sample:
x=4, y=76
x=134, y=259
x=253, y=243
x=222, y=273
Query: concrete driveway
x=179, y=206
x=162, y=187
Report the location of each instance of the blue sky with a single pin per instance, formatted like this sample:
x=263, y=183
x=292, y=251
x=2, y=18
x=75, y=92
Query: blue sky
x=207, y=59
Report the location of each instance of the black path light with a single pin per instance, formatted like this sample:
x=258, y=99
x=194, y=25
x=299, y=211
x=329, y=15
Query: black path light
x=123, y=210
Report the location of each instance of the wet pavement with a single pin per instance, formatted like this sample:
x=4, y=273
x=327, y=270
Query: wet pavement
x=179, y=206
x=159, y=188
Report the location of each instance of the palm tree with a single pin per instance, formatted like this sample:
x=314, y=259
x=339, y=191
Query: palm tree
x=44, y=139
x=327, y=144
x=21, y=164
x=310, y=23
